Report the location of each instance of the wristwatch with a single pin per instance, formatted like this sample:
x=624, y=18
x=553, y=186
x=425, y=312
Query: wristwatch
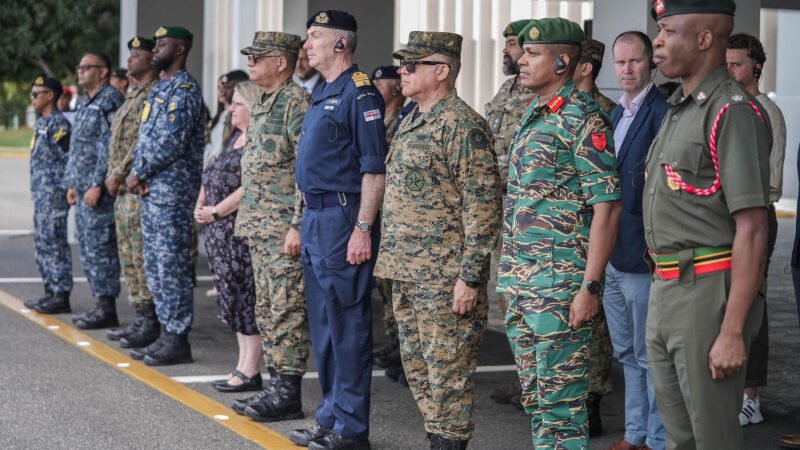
x=471, y=284
x=214, y=213
x=363, y=227
x=594, y=287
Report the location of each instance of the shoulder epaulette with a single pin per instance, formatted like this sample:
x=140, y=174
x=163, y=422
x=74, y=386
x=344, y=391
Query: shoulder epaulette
x=360, y=79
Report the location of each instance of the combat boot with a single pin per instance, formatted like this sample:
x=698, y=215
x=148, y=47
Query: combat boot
x=115, y=334
x=283, y=404
x=239, y=405
x=103, y=315
x=57, y=304
x=442, y=443
x=139, y=353
x=175, y=349
x=387, y=349
x=396, y=373
x=32, y=302
x=593, y=409
x=390, y=359
x=148, y=330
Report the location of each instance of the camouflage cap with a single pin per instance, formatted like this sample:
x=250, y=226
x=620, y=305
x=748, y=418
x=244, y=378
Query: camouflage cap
x=426, y=43
x=265, y=41
x=593, y=50
x=551, y=31
x=666, y=8
x=141, y=43
x=331, y=18
x=515, y=27
x=49, y=83
x=170, y=31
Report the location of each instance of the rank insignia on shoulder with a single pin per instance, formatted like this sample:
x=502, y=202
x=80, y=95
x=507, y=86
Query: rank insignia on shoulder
x=556, y=103
x=701, y=96
x=360, y=79
x=145, y=111
x=172, y=118
x=33, y=141
x=185, y=86
x=172, y=106
x=59, y=135
x=737, y=98
x=599, y=141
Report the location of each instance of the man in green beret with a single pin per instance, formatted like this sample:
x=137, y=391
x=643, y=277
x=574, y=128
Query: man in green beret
x=503, y=114
x=441, y=220
x=705, y=219
x=124, y=131
x=589, y=66
x=560, y=225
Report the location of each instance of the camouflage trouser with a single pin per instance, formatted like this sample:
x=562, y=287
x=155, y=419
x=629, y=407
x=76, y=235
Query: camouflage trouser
x=552, y=366
x=502, y=301
x=97, y=237
x=280, y=307
x=439, y=349
x=131, y=249
x=384, y=287
x=600, y=353
x=51, y=250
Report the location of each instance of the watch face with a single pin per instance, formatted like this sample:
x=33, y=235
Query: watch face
x=593, y=287
x=363, y=226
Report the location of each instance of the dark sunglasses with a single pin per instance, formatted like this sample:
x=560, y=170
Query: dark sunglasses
x=411, y=66
x=254, y=58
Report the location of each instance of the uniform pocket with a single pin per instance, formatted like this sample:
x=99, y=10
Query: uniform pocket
x=344, y=277
x=535, y=263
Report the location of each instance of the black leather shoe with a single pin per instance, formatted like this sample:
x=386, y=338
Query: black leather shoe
x=139, y=353
x=439, y=442
x=32, y=302
x=335, y=441
x=305, y=436
x=254, y=383
x=283, y=404
x=57, y=304
x=595, y=421
x=149, y=330
x=103, y=315
x=174, y=350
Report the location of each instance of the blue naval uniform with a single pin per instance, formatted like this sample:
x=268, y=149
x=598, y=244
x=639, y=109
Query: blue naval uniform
x=48, y=161
x=169, y=157
x=86, y=167
x=342, y=138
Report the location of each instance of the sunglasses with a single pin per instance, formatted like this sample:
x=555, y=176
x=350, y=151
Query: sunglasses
x=411, y=66
x=254, y=58
x=35, y=94
x=85, y=67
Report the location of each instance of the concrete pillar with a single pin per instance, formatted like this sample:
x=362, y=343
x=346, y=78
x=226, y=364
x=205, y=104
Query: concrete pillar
x=469, y=54
x=788, y=96
x=295, y=15
x=127, y=27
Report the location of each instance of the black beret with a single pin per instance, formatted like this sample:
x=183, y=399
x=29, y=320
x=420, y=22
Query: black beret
x=119, y=72
x=141, y=43
x=385, y=73
x=332, y=18
x=49, y=83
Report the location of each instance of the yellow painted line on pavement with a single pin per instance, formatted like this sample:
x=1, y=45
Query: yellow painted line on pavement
x=785, y=214
x=206, y=406
x=14, y=155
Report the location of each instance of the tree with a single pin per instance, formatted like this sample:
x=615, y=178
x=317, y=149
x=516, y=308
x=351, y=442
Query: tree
x=50, y=36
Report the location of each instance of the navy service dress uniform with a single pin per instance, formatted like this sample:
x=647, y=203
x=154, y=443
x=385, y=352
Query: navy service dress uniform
x=342, y=138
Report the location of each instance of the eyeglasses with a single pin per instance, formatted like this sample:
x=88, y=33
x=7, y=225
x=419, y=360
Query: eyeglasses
x=254, y=58
x=411, y=66
x=85, y=67
x=35, y=94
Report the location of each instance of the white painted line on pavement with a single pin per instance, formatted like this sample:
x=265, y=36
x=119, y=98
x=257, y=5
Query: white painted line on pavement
x=195, y=379
x=27, y=280
x=16, y=232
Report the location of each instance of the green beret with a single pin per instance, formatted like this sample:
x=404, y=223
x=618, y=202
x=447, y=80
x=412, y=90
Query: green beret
x=666, y=8
x=592, y=49
x=141, y=43
x=551, y=31
x=265, y=41
x=173, y=32
x=515, y=27
x=426, y=43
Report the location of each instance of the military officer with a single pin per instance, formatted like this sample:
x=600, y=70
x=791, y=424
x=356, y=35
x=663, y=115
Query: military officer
x=124, y=130
x=589, y=66
x=167, y=164
x=387, y=81
x=705, y=219
x=49, y=149
x=560, y=224
x=340, y=171
x=503, y=114
x=441, y=220
x=84, y=177
x=270, y=216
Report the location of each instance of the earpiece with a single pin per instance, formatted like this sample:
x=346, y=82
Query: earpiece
x=339, y=44
x=757, y=71
x=560, y=64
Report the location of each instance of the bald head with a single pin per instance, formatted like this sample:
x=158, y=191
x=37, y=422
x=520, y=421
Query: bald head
x=691, y=44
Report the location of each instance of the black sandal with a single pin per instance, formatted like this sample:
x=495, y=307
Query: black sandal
x=254, y=383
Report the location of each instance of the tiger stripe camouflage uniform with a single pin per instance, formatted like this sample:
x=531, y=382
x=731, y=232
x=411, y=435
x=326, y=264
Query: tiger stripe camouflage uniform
x=124, y=131
x=561, y=162
x=440, y=223
x=270, y=205
x=49, y=149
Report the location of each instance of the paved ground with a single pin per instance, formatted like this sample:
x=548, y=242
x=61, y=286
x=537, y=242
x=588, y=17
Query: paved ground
x=53, y=395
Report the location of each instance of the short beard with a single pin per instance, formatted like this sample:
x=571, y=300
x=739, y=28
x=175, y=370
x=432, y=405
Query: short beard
x=162, y=63
x=510, y=67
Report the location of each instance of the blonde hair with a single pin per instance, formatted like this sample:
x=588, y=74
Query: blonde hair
x=249, y=91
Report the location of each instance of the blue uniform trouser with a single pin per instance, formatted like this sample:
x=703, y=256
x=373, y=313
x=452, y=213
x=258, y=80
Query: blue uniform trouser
x=167, y=235
x=51, y=250
x=625, y=304
x=339, y=317
x=97, y=236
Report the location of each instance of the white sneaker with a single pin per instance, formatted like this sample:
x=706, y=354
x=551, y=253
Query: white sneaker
x=751, y=412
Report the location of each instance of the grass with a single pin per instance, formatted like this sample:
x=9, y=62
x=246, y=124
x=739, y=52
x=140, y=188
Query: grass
x=18, y=140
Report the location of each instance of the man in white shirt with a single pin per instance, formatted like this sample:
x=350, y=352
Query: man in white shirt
x=305, y=75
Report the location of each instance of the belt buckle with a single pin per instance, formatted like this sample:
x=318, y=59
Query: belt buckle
x=342, y=198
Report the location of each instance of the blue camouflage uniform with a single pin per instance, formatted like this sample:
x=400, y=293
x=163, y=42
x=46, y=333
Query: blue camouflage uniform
x=341, y=139
x=48, y=160
x=169, y=157
x=86, y=168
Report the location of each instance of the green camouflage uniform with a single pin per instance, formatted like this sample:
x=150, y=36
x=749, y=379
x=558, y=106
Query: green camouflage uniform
x=440, y=223
x=124, y=132
x=384, y=285
x=561, y=162
x=270, y=206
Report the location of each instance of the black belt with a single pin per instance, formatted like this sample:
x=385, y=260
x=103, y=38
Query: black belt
x=328, y=199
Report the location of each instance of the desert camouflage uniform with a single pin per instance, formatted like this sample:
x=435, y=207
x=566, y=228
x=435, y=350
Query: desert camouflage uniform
x=561, y=162
x=440, y=222
x=271, y=204
x=124, y=130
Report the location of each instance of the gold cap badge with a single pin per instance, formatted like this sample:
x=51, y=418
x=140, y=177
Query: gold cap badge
x=534, y=33
x=39, y=81
x=509, y=30
x=161, y=32
x=321, y=18
x=136, y=43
